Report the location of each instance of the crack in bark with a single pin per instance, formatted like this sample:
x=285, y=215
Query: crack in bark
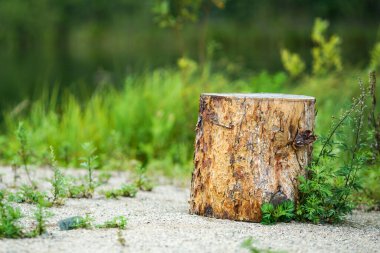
x=237, y=137
x=230, y=126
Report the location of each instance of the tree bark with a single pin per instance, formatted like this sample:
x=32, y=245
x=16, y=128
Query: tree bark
x=249, y=150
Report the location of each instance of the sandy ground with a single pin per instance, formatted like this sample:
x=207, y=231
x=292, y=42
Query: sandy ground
x=158, y=221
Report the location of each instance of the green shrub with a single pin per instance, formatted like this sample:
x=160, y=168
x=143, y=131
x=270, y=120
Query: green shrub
x=325, y=196
x=292, y=63
x=326, y=52
x=9, y=219
x=284, y=212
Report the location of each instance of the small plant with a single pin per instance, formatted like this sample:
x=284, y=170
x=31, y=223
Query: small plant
x=292, y=63
x=117, y=222
x=23, y=152
x=326, y=53
x=89, y=162
x=78, y=191
x=9, y=217
x=283, y=212
x=325, y=196
x=28, y=194
x=249, y=245
x=40, y=215
x=58, y=182
x=124, y=191
x=142, y=182
x=76, y=222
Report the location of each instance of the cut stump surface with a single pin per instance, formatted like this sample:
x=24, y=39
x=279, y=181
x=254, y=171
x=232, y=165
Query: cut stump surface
x=249, y=150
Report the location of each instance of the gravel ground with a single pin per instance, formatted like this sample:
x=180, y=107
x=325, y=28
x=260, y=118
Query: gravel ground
x=158, y=221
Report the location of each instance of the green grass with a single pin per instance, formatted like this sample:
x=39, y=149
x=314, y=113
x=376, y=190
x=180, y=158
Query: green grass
x=116, y=222
x=124, y=191
x=152, y=119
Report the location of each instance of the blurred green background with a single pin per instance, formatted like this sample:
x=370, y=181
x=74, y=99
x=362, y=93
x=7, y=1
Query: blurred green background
x=126, y=75
x=84, y=44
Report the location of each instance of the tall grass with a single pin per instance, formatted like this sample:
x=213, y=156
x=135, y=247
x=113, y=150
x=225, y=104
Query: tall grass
x=151, y=119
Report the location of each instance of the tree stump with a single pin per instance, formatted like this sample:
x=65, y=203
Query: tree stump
x=249, y=150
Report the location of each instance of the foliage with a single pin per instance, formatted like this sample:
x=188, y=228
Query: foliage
x=82, y=222
x=40, y=216
x=284, y=212
x=58, y=182
x=177, y=13
x=79, y=191
x=9, y=217
x=142, y=182
x=317, y=200
x=117, y=222
x=375, y=57
x=292, y=63
x=249, y=245
x=89, y=162
x=24, y=152
x=325, y=195
x=326, y=53
x=30, y=195
x=124, y=191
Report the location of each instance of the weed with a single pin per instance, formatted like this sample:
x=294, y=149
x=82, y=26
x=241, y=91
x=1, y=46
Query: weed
x=124, y=191
x=142, y=182
x=9, y=218
x=325, y=195
x=40, y=216
x=117, y=222
x=23, y=152
x=77, y=222
x=284, y=212
x=58, y=182
x=89, y=162
x=28, y=194
x=79, y=191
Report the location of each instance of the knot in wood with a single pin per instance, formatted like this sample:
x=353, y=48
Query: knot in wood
x=304, y=138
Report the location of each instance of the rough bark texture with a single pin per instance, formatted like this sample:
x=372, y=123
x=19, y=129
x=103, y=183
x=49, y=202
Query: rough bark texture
x=249, y=149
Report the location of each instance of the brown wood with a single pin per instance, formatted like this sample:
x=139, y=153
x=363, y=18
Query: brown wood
x=249, y=149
